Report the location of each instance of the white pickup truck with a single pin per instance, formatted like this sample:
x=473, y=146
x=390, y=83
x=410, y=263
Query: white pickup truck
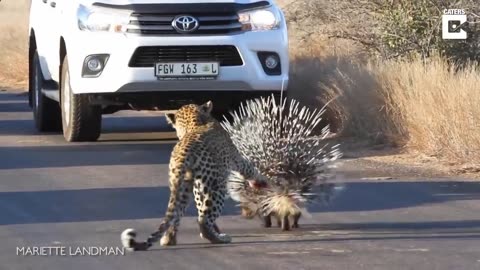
x=94, y=57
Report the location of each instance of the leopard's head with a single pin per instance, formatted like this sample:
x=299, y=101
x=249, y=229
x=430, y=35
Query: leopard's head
x=189, y=117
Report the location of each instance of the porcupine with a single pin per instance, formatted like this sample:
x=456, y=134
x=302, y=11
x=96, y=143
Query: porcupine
x=277, y=140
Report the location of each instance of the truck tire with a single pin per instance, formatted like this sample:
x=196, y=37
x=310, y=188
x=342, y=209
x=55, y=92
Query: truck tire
x=81, y=121
x=46, y=112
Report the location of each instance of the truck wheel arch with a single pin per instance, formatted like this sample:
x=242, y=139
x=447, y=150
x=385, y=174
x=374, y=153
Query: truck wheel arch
x=32, y=47
x=62, y=55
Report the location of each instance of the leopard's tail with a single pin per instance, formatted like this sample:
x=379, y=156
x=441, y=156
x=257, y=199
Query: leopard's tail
x=128, y=240
x=172, y=217
x=130, y=244
x=128, y=235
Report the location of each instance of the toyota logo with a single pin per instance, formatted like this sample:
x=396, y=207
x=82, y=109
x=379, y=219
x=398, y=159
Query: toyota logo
x=185, y=24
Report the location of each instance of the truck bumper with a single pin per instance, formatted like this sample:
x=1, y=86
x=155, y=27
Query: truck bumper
x=117, y=76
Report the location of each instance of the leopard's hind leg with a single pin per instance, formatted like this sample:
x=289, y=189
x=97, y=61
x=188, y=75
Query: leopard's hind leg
x=209, y=199
x=179, y=205
x=181, y=186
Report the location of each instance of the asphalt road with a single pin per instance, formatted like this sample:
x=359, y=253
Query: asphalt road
x=84, y=194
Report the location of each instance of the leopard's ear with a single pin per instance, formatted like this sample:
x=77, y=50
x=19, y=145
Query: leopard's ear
x=207, y=107
x=170, y=118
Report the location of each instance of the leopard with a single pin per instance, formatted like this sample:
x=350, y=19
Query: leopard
x=200, y=164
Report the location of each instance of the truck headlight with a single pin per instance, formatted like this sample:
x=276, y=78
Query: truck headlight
x=100, y=19
x=260, y=19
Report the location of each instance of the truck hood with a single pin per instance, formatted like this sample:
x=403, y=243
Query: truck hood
x=129, y=2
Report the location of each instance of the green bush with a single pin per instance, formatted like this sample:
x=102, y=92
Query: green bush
x=415, y=27
x=390, y=28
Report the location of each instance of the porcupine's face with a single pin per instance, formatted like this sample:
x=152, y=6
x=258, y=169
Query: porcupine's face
x=247, y=212
x=189, y=117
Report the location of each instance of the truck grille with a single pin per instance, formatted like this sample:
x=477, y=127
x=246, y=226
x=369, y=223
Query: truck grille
x=148, y=56
x=161, y=24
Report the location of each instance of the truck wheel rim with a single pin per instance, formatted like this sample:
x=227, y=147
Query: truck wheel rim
x=66, y=99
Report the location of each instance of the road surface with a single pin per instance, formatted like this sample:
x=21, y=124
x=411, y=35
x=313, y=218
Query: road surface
x=83, y=195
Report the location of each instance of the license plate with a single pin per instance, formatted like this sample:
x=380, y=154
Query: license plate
x=182, y=70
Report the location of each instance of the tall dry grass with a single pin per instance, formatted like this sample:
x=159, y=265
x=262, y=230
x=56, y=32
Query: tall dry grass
x=436, y=107
x=14, y=43
x=430, y=106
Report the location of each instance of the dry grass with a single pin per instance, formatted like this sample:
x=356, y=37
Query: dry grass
x=435, y=107
x=14, y=43
x=429, y=106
